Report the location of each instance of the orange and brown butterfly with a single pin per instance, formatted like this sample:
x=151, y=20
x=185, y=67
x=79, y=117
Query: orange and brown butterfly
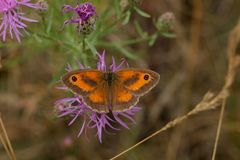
x=106, y=90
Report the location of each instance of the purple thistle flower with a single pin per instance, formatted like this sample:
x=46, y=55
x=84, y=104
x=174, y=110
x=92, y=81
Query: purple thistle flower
x=75, y=108
x=11, y=18
x=84, y=15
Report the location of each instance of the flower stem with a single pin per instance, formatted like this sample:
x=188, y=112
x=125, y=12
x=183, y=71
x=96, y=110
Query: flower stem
x=84, y=44
x=84, y=52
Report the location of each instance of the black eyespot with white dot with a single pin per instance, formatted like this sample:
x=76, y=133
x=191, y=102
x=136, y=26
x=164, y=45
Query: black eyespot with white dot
x=74, y=78
x=146, y=77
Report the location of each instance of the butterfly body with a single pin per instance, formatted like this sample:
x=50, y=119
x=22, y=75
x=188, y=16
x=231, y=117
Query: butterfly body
x=117, y=91
x=109, y=77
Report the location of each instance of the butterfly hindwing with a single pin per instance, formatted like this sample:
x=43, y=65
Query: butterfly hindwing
x=98, y=100
x=122, y=99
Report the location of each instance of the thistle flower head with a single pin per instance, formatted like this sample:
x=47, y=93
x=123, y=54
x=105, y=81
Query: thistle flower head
x=166, y=22
x=75, y=108
x=84, y=16
x=43, y=4
x=11, y=17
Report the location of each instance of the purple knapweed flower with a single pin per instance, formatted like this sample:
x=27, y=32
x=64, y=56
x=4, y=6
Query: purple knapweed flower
x=12, y=17
x=84, y=16
x=75, y=108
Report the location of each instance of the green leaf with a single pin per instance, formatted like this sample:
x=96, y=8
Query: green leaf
x=139, y=29
x=125, y=52
x=37, y=38
x=127, y=17
x=49, y=26
x=141, y=12
x=117, y=7
x=168, y=35
x=152, y=39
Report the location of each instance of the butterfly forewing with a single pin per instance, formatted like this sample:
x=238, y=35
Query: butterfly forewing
x=89, y=84
x=137, y=81
x=83, y=81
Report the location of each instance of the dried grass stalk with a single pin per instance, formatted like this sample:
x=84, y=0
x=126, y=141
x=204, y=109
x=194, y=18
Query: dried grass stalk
x=5, y=141
x=218, y=129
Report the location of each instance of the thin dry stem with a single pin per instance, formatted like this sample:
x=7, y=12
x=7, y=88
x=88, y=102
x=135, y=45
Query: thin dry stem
x=195, y=31
x=5, y=141
x=4, y=145
x=218, y=129
x=210, y=100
